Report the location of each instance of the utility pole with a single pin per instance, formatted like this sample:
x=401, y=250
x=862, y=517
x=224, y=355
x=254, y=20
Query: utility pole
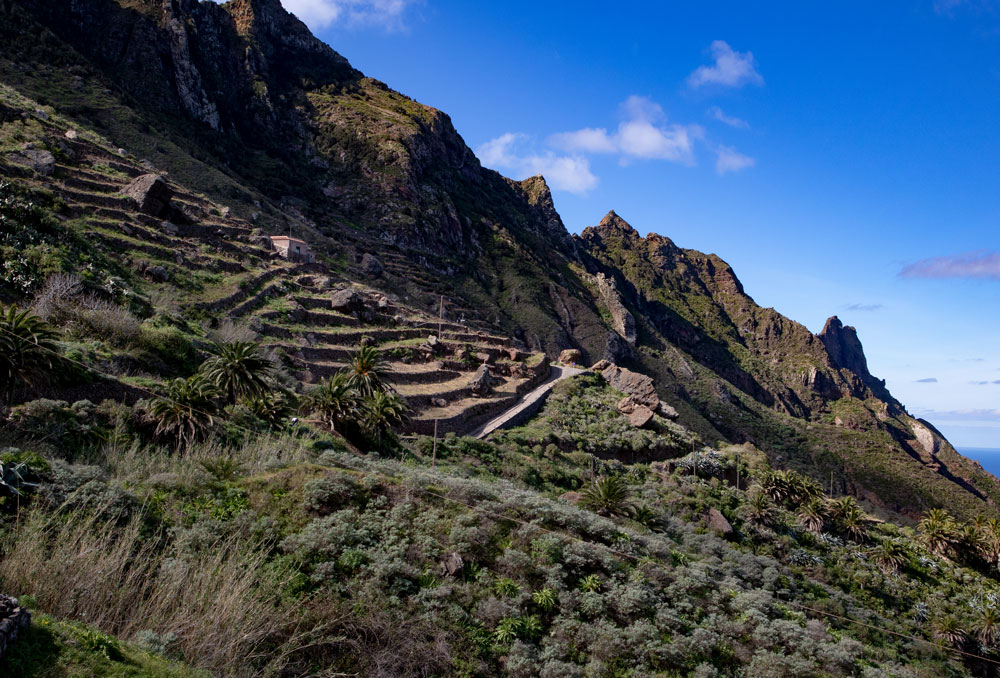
x=440, y=316
x=434, y=449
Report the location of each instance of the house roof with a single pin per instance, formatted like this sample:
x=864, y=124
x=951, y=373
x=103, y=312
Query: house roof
x=285, y=237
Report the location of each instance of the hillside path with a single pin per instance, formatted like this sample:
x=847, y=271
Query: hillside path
x=532, y=399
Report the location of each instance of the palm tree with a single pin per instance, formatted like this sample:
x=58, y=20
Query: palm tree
x=938, y=531
x=972, y=542
x=988, y=626
x=991, y=531
x=607, y=496
x=238, y=370
x=949, y=630
x=381, y=412
x=335, y=401
x=757, y=508
x=273, y=407
x=27, y=349
x=186, y=412
x=813, y=515
x=366, y=372
x=890, y=556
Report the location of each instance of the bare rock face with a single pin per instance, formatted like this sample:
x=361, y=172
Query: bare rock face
x=925, y=437
x=151, y=194
x=622, y=320
x=845, y=351
x=632, y=383
x=616, y=349
x=667, y=411
x=570, y=356
x=482, y=382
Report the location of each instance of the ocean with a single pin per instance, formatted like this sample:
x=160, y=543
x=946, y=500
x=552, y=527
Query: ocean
x=989, y=457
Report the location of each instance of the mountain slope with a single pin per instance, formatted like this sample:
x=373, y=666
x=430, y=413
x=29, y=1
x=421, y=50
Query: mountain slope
x=239, y=102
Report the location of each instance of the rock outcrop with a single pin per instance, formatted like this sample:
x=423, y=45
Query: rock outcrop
x=13, y=620
x=622, y=320
x=640, y=387
x=151, y=194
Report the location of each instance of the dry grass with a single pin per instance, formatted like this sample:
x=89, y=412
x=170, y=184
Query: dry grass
x=218, y=604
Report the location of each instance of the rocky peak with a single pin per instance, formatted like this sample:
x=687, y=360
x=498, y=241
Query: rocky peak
x=845, y=351
x=612, y=224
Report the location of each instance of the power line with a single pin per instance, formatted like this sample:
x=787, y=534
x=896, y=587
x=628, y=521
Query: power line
x=476, y=509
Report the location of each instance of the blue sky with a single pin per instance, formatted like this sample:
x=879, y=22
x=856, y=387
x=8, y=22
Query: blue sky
x=843, y=158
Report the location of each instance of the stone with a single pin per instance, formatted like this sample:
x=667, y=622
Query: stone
x=367, y=341
x=513, y=353
x=570, y=356
x=667, y=411
x=151, y=194
x=452, y=564
x=41, y=115
x=158, y=274
x=482, y=381
x=179, y=257
x=432, y=340
x=122, y=152
x=632, y=383
x=306, y=281
x=601, y=365
x=169, y=228
x=439, y=402
x=225, y=211
x=347, y=301
x=640, y=416
x=718, y=523
x=627, y=404
x=125, y=228
x=486, y=355
x=72, y=134
x=298, y=314
x=571, y=496
x=42, y=162
x=370, y=265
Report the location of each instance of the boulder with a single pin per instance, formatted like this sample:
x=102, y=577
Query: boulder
x=482, y=381
x=367, y=341
x=158, y=274
x=718, y=523
x=487, y=355
x=347, y=301
x=667, y=411
x=439, y=402
x=601, y=365
x=72, y=134
x=570, y=356
x=432, y=340
x=641, y=416
x=42, y=162
x=632, y=383
x=169, y=228
x=627, y=405
x=370, y=265
x=151, y=194
x=452, y=564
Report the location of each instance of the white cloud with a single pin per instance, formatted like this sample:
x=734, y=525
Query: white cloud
x=728, y=159
x=562, y=172
x=716, y=113
x=320, y=14
x=731, y=69
x=642, y=134
x=980, y=264
x=587, y=140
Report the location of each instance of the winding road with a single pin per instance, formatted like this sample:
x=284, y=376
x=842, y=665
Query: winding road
x=530, y=402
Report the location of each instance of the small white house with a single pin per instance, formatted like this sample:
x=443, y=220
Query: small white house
x=292, y=249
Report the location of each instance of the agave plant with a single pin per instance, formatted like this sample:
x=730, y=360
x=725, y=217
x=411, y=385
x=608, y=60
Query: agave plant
x=607, y=496
x=238, y=370
x=186, y=413
x=28, y=349
x=14, y=478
